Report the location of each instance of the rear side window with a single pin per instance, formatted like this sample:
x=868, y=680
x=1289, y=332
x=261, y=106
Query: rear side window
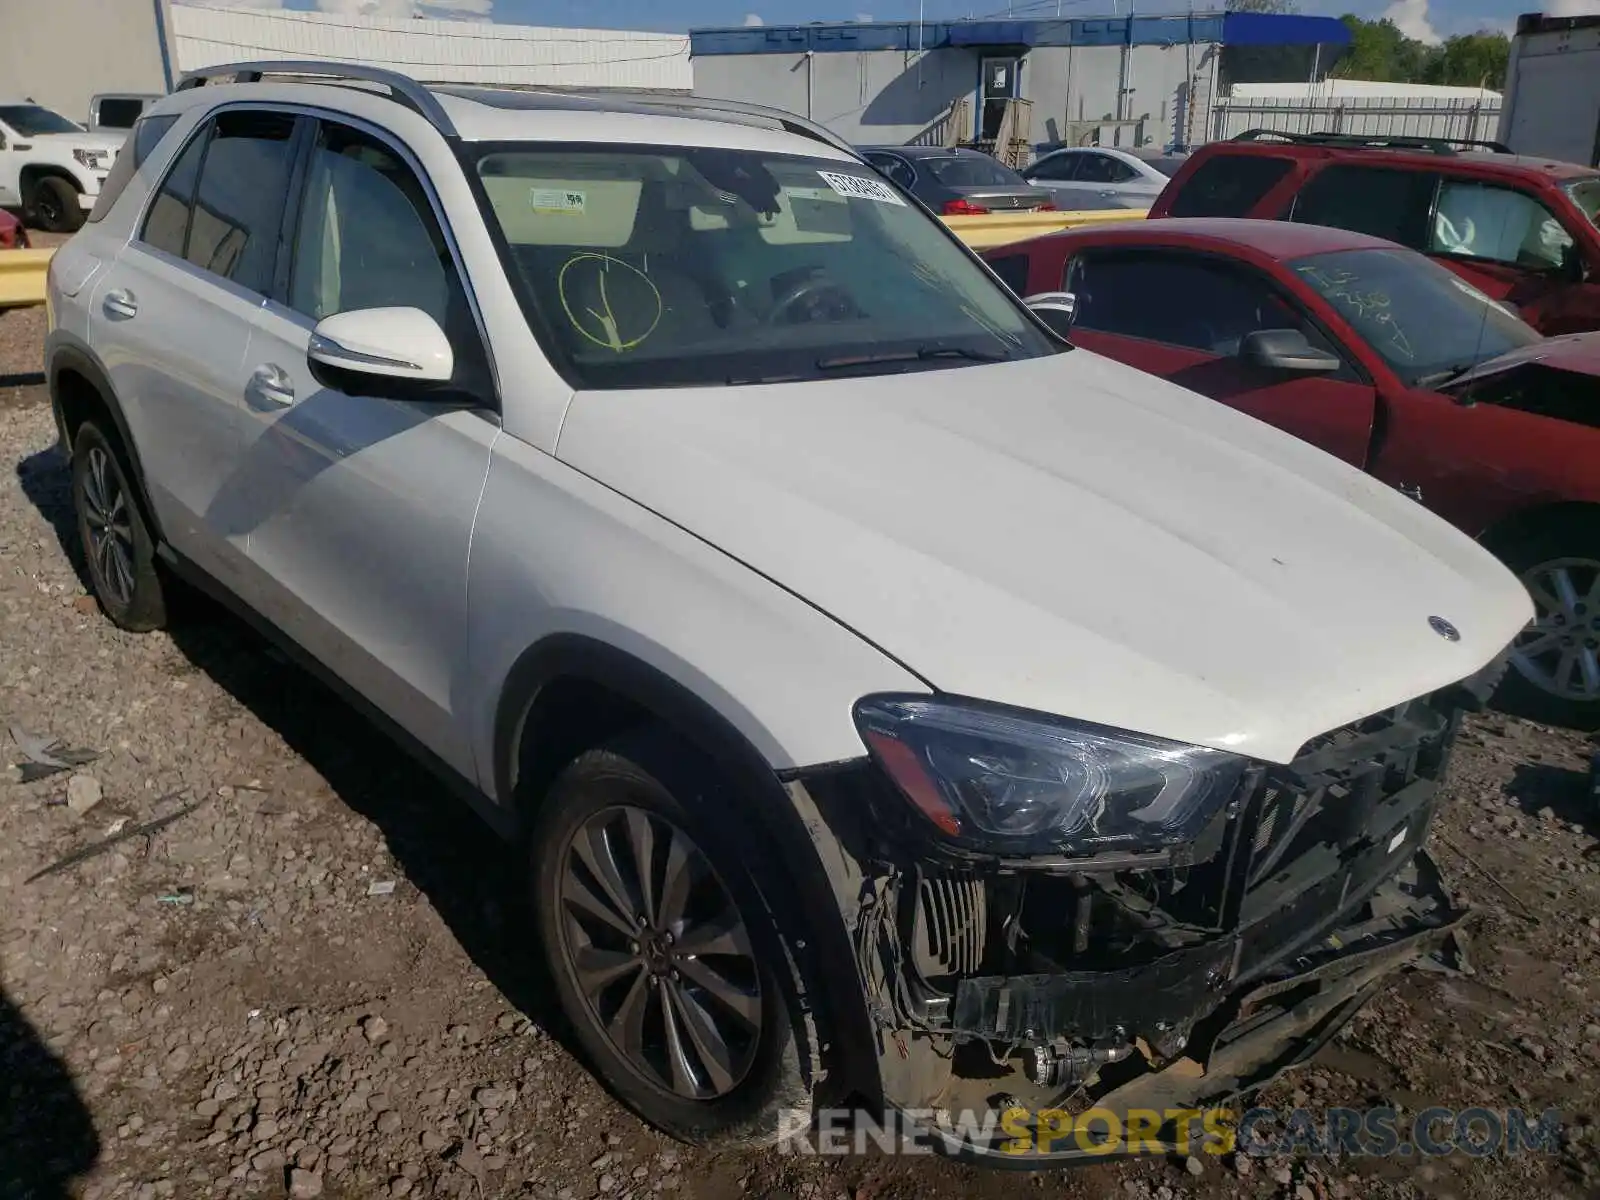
x=238, y=206
x=1377, y=201
x=141, y=141
x=1229, y=185
x=166, y=225
x=118, y=112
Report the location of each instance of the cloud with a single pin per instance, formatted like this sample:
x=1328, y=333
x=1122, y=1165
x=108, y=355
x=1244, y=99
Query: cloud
x=864, y=18
x=751, y=20
x=1411, y=18
x=1571, y=8
x=403, y=9
x=479, y=10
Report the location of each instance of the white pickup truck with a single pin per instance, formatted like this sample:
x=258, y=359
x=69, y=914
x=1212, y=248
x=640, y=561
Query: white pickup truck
x=51, y=167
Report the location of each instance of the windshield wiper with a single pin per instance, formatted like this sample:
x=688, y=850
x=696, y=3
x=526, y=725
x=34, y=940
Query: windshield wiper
x=1440, y=378
x=921, y=354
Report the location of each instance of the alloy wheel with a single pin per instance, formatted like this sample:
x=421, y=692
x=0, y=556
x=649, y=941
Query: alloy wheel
x=656, y=946
x=107, y=524
x=1560, y=652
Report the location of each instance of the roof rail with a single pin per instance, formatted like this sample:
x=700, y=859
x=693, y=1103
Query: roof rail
x=788, y=121
x=402, y=88
x=1358, y=141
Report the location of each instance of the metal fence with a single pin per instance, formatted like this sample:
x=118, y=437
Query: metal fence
x=1424, y=117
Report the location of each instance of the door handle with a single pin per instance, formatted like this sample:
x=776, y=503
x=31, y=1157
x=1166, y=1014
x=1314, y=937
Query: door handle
x=120, y=305
x=270, y=387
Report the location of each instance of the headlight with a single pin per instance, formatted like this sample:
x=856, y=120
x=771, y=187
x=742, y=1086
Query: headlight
x=1019, y=783
x=96, y=159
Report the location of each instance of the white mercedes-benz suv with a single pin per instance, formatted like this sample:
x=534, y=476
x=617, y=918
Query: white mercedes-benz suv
x=897, y=705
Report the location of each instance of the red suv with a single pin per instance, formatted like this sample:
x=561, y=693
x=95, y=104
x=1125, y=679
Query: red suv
x=1523, y=230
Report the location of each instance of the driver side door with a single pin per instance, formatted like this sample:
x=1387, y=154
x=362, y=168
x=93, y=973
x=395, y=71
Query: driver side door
x=1182, y=315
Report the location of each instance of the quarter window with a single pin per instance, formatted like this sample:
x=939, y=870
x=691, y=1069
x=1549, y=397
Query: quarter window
x=146, y=134
x=1476, y=220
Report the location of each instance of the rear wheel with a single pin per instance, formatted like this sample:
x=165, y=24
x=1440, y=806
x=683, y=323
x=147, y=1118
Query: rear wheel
x=115, y=536
x=666, y=962
x=52, y=204
x=1555, y=663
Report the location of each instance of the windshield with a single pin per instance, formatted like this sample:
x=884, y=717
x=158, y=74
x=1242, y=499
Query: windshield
x=1425, y=321
x=971, y=170
x=657, y=267
x=30, y=120
x=1585, y=194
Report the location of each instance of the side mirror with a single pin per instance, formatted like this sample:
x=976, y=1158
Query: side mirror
x=1056, y=309
x=380, y=351
x=1286, y=350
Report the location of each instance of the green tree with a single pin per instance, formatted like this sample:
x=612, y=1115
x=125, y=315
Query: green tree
x=1378, y=50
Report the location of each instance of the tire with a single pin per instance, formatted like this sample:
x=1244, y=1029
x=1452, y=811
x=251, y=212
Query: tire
x=1555, y=666
x=51, y=202
x=118, y=549
x=583, y=843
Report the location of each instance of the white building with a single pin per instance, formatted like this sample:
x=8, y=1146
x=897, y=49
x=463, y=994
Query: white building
x=437, y=51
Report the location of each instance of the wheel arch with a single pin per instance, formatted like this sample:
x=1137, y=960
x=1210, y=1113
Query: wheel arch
x=80, y=389
x=1520, y=524
x=569, y=693
x=33, y=172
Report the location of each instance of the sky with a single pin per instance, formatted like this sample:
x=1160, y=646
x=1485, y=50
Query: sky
x=1428, y=20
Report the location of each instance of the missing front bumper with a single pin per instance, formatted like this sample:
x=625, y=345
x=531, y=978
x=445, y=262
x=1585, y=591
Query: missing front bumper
x=1248, y=1038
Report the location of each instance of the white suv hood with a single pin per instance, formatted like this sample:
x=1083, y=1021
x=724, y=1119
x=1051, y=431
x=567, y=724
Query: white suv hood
x=1072, y=536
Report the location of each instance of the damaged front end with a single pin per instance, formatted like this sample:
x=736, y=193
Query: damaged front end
x=1159, y=973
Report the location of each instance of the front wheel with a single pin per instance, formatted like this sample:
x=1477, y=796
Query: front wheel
x=1555, y=663
x=52, y=203
x=665, y=960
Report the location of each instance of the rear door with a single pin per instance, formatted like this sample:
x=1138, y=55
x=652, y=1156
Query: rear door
x=360, y=507
x=1182, y=315
x=171, y=318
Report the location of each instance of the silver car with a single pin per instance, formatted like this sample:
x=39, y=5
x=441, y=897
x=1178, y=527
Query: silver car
x=1092, y=177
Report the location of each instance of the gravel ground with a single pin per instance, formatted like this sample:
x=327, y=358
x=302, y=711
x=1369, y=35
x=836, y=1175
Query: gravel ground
x=240, y=1004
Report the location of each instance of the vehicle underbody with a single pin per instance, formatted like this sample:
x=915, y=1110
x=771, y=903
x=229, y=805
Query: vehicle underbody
x=1165, y=982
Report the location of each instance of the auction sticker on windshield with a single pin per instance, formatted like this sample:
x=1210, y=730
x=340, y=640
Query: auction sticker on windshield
x=856, y=188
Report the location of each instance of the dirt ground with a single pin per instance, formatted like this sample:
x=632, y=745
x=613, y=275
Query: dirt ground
x=238, y=1003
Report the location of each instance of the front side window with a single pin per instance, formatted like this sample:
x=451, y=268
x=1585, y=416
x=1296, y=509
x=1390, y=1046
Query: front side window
x=1378, y=201
x=1056, y=168
x=1585, y=193
x=660, y=266
x=33, y=120
x=1177, y=299
x=1102, y=168
x=367, y=237
x=1427, y=322
x=1229, y=185
x=1479, y=220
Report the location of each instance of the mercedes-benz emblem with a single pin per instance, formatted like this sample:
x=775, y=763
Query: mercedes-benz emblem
x=1444, y=629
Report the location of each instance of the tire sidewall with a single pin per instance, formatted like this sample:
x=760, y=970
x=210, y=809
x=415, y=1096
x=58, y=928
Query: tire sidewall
x=1573, y=536
x=64, y=195
x=146, y=607
x=656, y=772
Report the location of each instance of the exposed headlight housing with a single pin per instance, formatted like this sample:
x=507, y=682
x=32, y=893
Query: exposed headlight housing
x=1016, y=783
x=94, y=159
